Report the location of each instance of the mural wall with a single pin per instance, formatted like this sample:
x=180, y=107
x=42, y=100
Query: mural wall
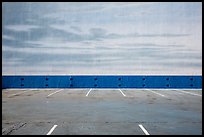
x=101, y=38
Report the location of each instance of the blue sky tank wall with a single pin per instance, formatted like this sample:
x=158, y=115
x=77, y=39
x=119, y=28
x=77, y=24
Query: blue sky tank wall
x=105, y=81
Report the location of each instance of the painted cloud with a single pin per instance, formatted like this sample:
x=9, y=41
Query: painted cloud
x=102, y=38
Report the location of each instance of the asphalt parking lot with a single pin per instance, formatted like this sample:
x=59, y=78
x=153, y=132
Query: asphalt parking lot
x=101, y=112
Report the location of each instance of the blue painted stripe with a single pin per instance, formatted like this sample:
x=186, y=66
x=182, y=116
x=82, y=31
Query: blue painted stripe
x=102, y=81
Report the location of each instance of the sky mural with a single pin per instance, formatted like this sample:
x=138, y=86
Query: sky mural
x=102, y=38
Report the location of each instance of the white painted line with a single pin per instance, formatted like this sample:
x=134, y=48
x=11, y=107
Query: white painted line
x=31, y=89
x=157, y=93
x=103, y=89
x=144, y=130
x=51, y=130
x=17, y=93
x=54, y=92
x=160, y=89
x=191, y=93
x=185, y=89
x=122, y=92
x=88, y=92
x=43, y=89
x=15, y=89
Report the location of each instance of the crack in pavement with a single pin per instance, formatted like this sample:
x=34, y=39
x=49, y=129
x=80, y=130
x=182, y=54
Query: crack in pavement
x=10, y=129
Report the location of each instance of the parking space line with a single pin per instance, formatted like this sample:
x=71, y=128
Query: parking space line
x=144, y=130
x=17, y=93
x=88, y=92
x=158, y=93
x=51, y=130
x=54, y=92
x=122, y=92
x=190, y=93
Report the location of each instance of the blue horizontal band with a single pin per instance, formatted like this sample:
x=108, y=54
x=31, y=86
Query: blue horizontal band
x=102, y=81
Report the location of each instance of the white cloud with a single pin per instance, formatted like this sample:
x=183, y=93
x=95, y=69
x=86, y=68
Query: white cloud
x=6, y=37
x=19, y=28
x=68, y=28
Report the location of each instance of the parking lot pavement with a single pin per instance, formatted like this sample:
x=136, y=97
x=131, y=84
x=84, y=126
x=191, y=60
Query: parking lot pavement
x=101, y=112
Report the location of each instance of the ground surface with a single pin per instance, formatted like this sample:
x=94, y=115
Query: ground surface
x=101, y=111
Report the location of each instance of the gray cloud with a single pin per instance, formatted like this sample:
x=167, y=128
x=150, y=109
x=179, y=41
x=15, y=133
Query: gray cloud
x=43, y=31
x=145, y=53
x=161, y=35
x=78, y=29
